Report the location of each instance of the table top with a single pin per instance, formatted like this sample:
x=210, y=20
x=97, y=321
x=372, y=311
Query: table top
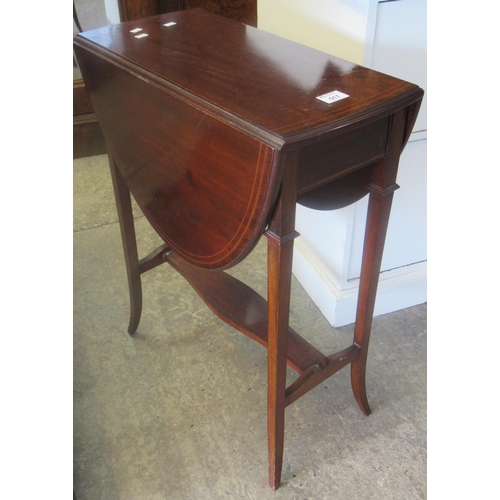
x=248, y=77
x=201, y=112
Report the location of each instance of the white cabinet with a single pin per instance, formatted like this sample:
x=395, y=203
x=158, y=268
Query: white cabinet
x=399, y=47
x=389, y=36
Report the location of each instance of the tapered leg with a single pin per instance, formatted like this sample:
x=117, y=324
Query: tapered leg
x=280, y=234
x=126, y=219
x=279, y=282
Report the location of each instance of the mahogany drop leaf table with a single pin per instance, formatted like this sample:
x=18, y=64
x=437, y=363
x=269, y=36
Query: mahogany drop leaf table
x=218, y=130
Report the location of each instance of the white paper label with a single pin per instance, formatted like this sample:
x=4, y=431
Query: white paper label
x=136, y=30
x=169, y=24
x=334, y=96
x=142, y=35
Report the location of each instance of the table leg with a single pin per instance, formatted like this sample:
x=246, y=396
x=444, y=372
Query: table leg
x=280, y=233
x=279, y=282
x=382, y=190
x=126, y=219
x=379, y=207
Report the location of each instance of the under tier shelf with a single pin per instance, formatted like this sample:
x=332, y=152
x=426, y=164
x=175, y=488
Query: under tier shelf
x=240, y=306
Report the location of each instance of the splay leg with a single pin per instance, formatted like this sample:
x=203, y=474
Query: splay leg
x=382, y=190
x=126, y=219
x=376, y=227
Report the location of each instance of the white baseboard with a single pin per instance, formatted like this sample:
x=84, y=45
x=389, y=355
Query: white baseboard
x=398, y=289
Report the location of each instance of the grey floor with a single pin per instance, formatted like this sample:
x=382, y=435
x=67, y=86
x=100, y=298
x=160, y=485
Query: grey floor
x=179, y=410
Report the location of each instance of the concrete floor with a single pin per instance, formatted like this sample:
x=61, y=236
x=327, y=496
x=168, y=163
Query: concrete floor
x=179, y=410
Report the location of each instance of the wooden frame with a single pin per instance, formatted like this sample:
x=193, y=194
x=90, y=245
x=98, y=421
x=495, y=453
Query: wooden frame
x=218, y=146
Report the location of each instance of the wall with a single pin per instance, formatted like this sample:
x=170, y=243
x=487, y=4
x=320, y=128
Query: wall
x=333, y=26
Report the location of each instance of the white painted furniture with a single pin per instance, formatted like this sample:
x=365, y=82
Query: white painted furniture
x=389, y=36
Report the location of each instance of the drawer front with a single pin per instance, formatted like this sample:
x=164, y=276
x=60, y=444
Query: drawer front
x=324, y=161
